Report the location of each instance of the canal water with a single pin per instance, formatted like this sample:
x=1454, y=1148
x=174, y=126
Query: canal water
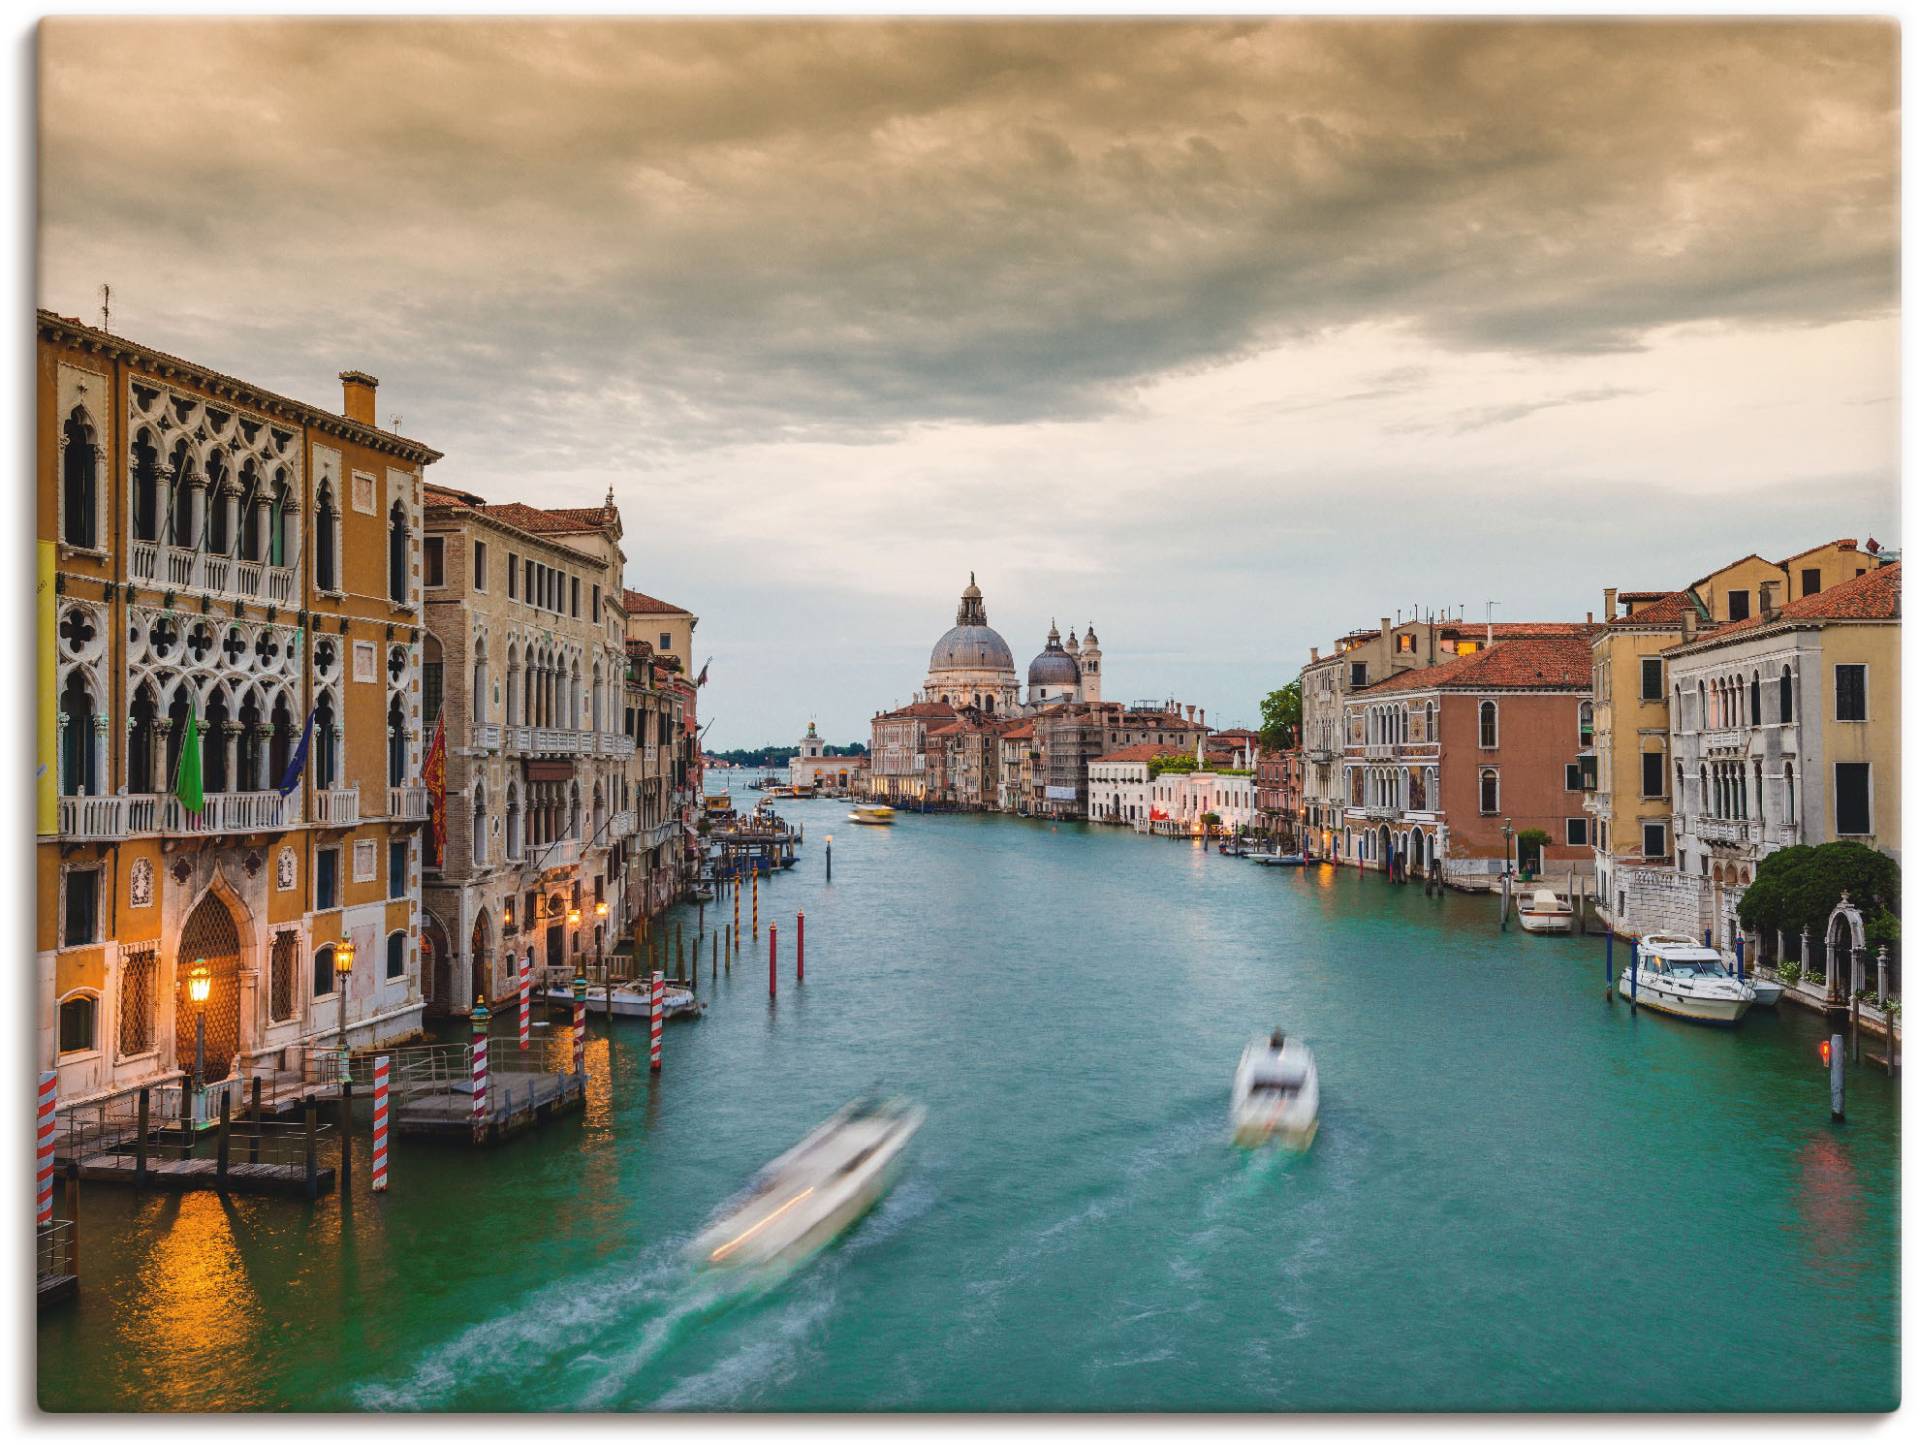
x=1521, y=1196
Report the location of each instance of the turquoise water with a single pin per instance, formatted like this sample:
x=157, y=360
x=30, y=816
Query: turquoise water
x=1521, y=1196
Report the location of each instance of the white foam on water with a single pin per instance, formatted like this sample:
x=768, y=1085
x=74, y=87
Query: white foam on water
x=547, y=1326
x=769, y=1355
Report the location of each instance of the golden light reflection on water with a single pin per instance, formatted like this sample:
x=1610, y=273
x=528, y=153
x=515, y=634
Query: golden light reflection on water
x=193, y=1311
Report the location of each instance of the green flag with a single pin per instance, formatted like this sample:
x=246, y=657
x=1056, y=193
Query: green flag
x=186, y=782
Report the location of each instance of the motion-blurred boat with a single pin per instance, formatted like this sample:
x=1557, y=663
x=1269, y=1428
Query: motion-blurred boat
x=1276, y=1094
x=815, y=1191
x=875, y=814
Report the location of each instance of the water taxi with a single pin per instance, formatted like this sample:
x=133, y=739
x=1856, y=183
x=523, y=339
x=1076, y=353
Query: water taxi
x=877, y=814
x=634, y=1000
x=1674, y=974
x=719, y=803
x=1276, y=1094
x=815, y=1191
x=1546, y=912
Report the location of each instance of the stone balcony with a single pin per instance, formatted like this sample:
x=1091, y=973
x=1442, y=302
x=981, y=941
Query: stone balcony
x=336, y=807
x=134, y=815
x=563, y=742
x=182, y=569
x=486, y=737
x=1725, y=740
x=1723, y=830
x=408, y=804
x=622, y=825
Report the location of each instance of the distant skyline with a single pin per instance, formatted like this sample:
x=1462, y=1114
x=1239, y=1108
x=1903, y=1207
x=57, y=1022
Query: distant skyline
x=1228, y=336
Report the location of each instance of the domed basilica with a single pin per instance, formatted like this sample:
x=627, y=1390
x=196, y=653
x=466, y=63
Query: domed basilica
x=972, y=666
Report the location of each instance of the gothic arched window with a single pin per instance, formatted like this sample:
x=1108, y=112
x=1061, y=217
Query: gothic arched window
x=80, y=481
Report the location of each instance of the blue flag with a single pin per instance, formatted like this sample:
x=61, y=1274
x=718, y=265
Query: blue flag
x=297, y=764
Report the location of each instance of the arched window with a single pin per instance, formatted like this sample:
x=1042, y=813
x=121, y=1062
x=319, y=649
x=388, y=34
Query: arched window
x=513, y=684
x=516, y=845
x=252, y=744
x=326, y=539
x=396, y=743
x=279, y=741
x=218, y=528
x=1788, y=816
x=1489, y=790
x=145, y=481
x=1489, y=724
x=397, y=954
x=1705, y=721
x=326, y=743
x=323, y=977
x=79, y=1016
x=397, y=552
x=1786, y=697
x=1433, y=723
x=479, y=826
x=79, y=772
x=251, y=506
x=1753, y=702
x=213, y=744
x=141, y=735
x=80, y=481
x=280, y=522
x=480, y=681
x=1586, y=724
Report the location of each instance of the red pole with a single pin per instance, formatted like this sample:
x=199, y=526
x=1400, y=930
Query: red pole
x=380, y=1080
x=773, y=959
x=800, y=948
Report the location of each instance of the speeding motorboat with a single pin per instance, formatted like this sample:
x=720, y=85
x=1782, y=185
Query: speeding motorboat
x=816, y=1190
x=1675, y=974
x=1546, y=912
x=1276, y=1094
x=872, y=814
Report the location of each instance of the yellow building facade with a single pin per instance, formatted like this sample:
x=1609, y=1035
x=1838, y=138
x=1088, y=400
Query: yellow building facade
x=218, y=565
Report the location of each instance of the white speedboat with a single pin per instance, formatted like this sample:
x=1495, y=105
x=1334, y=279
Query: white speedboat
x=1276, y=1093
x=1676, y=975
x=1546, y=912
x=634, y=1000
x=816, y=1190
x=1278, y=860
x=1766, y=991
x=874, y=815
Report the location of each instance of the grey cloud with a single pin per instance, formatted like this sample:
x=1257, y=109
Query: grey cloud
x=690, y=233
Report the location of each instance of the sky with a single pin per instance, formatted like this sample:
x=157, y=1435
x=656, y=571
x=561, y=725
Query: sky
x=1228, y=336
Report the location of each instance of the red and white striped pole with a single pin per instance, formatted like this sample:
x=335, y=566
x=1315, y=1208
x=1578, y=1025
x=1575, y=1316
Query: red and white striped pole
x=526, y=999
x=43, y=1151
x=657, y=1009
x=380, y=1067
x=773, y=960
x=480, y=1017
x=800, y=951
x=580, y=1024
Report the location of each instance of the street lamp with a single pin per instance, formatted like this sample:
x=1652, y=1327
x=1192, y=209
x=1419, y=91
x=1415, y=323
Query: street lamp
x=1506, y=826
x=342, y=971
x=199, y=985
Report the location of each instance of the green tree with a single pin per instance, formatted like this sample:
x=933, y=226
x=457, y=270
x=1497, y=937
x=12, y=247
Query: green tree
x=1280, y=716
x=1800, y=887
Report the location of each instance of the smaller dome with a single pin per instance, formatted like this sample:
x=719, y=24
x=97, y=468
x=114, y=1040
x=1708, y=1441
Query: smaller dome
x=1053, y=668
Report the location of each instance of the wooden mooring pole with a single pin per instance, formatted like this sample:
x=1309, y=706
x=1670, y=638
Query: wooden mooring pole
x=253, y=1116
x=140, y=1139
x=311, y=1108
x=221, y=1151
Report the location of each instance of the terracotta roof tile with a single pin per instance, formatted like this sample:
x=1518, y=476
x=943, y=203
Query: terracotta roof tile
x=634, y=603
x=1667, y=611
x=1557, y=663
x=1139, y=753
x=1874, y=596
x=921, y=709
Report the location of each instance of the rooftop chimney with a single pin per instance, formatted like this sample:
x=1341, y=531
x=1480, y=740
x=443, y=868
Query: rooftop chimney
x=1314, y=653
x=1686, y=624
x=1612, y=598
x=1589, y=619
x=1769, y=600
x=358, y=388
x=1203, y=717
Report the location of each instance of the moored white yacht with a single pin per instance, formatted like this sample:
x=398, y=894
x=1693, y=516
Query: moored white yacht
x=1276, y=1093
x=633, y=1000
x=1545, y=911
x=1676, y=975
x=814, y=1191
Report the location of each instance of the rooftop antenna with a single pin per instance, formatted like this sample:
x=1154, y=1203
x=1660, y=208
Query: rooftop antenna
x=393, y=422
x=106, y=307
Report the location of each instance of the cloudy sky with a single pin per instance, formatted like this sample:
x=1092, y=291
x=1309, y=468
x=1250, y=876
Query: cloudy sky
x=1226, y=336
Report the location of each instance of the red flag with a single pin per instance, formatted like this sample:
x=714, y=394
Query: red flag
x=434, y=771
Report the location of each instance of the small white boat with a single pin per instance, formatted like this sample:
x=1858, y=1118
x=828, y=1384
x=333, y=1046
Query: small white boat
x=1766, y=991
x=1546, y=912
x=1278, y=860
x=1674, y=974
x=812, y=1193
x=1276, y=1094
x=634, y=1000
x=874, y=815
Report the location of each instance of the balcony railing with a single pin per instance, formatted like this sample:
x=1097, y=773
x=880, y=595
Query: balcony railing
x=623, y=824
x=486, y=737
x=616, y=745
x=155, y=564
x=1722, y=830
x=1722, y=740
x=336, y=807
x=569, y=741
x=517, y=738
x=89, y=820
x=407, y=804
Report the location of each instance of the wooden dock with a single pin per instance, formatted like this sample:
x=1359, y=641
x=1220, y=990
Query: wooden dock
x=516, y=1102
x=204, y=1173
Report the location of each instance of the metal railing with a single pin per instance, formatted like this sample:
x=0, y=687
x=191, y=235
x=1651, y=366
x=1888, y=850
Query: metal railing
x=53, y=1249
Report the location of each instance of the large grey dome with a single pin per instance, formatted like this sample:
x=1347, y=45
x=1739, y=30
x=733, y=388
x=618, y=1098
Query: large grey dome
x=973, y=646
x=1053, y=668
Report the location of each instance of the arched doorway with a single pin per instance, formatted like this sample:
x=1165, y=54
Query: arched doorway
x=212, y=938
x=436, y=966
x=482, y=956
x=1386, y=849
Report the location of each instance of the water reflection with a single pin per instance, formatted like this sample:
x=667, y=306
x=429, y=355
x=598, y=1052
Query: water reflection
x=1829, y=1208
x=193, y=1313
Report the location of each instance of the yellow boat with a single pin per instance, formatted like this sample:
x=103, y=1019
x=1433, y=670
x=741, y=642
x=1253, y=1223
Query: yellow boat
x=874, y=814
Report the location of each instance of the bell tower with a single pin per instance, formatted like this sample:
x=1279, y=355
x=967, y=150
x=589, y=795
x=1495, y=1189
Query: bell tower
x=1090, y=666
